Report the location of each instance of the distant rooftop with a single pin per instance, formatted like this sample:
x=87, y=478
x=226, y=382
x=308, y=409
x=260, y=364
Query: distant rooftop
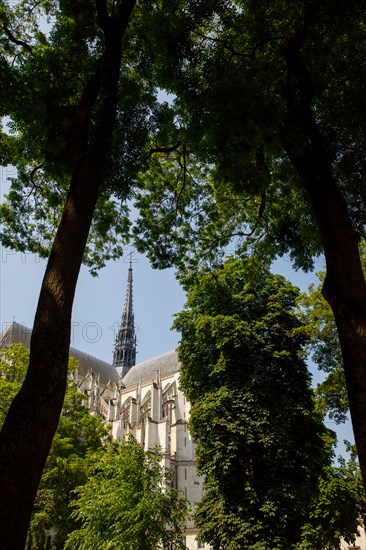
x=167, y=363
x=16, y=333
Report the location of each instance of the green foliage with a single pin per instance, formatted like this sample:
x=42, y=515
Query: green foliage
x=224, y=63
x=338, y=507
x=261, y=445
x=331, y=395
x=13, y=368
x=68, y=466
x=51, y=110
x=128, y=503
x=230, y=184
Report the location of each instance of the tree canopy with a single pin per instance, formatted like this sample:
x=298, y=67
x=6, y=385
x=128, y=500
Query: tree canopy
x=227, y=69
x=52, y=58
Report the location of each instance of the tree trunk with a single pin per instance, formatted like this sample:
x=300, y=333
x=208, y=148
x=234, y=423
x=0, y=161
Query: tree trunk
x=344, y=286
x=28, y=430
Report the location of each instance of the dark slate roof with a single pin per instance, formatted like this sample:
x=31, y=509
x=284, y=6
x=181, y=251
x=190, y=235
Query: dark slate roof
x=88, y=363
x=20, y=334
x=147, y=371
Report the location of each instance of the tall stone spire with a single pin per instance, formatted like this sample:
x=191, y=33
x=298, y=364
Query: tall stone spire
x=124, y=355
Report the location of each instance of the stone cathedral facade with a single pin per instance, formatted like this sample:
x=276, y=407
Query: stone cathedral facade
x=142, y=399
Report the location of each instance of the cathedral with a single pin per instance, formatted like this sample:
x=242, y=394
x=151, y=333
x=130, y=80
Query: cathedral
x=143, y=399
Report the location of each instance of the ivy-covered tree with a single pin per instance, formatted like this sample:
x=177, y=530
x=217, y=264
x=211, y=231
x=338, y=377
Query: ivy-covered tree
x=128, y=503
x=261, y=446
x=78, y=437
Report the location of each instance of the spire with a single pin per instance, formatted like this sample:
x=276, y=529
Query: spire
x=124, y=355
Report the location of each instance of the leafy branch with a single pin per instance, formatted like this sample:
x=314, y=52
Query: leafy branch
x=15, y=40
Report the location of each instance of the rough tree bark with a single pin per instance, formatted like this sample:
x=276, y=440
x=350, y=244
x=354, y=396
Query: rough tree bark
x=30, y=425
x=344, y=286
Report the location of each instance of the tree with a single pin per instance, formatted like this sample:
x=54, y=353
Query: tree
x=261, y=445
x=136, y=505
x=83, y=116
x=90, y=37
x=270, y=103
x=78, y=436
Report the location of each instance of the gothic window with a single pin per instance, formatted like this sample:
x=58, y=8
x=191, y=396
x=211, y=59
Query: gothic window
x=168, y=401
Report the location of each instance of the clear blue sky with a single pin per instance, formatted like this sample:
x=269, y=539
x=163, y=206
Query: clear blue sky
x=99, y=302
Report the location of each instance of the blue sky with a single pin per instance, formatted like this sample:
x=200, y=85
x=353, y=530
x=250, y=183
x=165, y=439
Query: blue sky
x=98, y=303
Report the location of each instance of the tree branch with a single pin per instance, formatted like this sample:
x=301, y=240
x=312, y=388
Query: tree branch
x=165, y=149
x=78, y=132
x=33, y=173
x=15, y=40
x=102, y=11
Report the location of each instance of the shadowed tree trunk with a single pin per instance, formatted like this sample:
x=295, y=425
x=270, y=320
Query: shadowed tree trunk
x=344, y=286
x=30, y=425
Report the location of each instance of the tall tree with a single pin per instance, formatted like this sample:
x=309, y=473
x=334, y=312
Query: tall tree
x=83, y=116
x=270, y=103
x=261, y=446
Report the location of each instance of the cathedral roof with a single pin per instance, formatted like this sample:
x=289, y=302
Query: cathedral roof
x=16, y=333
x=167, y=363
x=143, y=372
